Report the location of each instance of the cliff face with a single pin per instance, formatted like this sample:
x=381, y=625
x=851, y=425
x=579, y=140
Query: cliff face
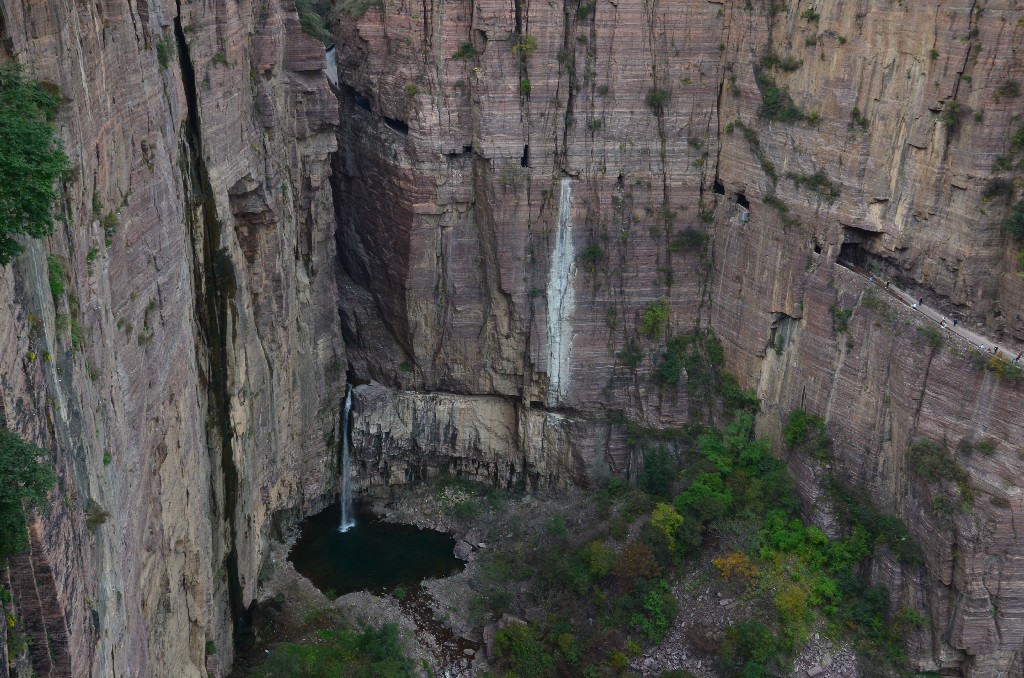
x=526, y=200
x=520, y=186
x=204, y=393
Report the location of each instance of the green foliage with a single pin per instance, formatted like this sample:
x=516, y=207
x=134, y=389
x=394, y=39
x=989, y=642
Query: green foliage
x=776, y=103
x=998, y=187
x=840, y=317
x=56, y=275
x=370, y=653
x=933, y=462
x=512, y=174
x=1009, y=89
x=1014, y=223
x=931, y=335
x=32, y=159
x=659, y=472
x=952, y=114
x=787, y=64
x=411, y=89
x=465, y=51
x=313, y=19
x=953, y=493
x=211, y=647
x=754, y=141
x=592, y=256
x=525, y=87
x=817, y=182
x=688, y=239
x=519, y=648
x=585, y=9
x=749, y=650
x=357, y=9
x=656, y=100
x=525, y=46
x=857, y=513
x=669, y=368
x=1004, y=368
x=811, y=15
x=806, y=433
x=164, y=49
x=657, y=610
x=95, y=515
x=24, y=480
x=858, y=119
x=654, y=319
x=631, y=355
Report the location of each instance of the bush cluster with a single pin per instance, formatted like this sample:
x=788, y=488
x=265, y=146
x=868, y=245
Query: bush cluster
x=25, y=479
x=372, y=652
x=33, y=159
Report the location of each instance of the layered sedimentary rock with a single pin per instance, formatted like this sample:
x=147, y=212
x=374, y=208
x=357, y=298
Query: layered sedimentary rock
x=482, y=142
x=203, y=393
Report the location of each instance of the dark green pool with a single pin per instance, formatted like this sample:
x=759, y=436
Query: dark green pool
x=372, y=556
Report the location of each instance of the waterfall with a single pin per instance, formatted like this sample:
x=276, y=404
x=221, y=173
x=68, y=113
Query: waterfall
x=561, y=299
x=348, y=517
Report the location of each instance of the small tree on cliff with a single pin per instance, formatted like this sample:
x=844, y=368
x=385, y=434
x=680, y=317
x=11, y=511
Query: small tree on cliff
x=22, y=478
x=31, y=159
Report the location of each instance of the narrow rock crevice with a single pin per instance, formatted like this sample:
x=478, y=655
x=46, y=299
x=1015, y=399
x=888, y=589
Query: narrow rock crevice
x=215, y=287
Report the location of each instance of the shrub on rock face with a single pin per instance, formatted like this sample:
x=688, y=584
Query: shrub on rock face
x=31, y=159
x=22, y=478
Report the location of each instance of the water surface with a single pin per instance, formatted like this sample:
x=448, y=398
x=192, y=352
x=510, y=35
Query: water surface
x=372, y=556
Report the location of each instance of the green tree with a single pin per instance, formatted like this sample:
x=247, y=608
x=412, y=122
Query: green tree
x=22, y=478
x=31, y=159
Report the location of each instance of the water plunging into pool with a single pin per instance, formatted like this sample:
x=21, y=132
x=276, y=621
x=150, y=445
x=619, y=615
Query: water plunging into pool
x=372, y=555
x=348, y=517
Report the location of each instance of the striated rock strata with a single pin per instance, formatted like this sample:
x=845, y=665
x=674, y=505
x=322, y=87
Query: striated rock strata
x=204, y=394
x=626, y=135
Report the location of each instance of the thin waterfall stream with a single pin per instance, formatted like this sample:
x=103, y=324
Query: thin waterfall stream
x=561, y=299
x=348, y=515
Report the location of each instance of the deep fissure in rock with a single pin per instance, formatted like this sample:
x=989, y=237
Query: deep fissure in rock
x=215, y=291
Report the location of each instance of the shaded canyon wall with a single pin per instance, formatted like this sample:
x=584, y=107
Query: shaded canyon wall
x=518, y=184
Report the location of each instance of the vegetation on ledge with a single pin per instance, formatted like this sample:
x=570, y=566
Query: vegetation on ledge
x=24, y=481
x=32, y=159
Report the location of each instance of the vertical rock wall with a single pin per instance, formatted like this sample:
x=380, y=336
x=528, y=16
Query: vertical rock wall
x=463, y=123
x=204, y=397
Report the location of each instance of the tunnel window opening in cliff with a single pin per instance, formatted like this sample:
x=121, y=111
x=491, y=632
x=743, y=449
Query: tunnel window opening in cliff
x=719, y=187
x=855, y=250
x=396, y=126
x=742, y=201
x=525, y=160
x=361, y=101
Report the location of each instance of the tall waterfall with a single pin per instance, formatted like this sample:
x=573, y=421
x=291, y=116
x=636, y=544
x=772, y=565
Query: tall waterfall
x=561, y=299
x=348, y=516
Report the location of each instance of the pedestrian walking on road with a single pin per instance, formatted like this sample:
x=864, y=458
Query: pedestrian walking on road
x=943, y=324
x=995, y=350
x=954, y=322
x=920, y=301
x=886, y=284
x=1018, y=356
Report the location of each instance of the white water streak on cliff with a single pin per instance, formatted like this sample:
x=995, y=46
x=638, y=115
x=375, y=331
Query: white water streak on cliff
x=561, y=300
x=348, y=514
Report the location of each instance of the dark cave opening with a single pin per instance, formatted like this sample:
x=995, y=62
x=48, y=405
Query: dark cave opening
x=719, y=187
x=856, y=248
x=742, y=201
x=396, y=125
x=525, y=160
